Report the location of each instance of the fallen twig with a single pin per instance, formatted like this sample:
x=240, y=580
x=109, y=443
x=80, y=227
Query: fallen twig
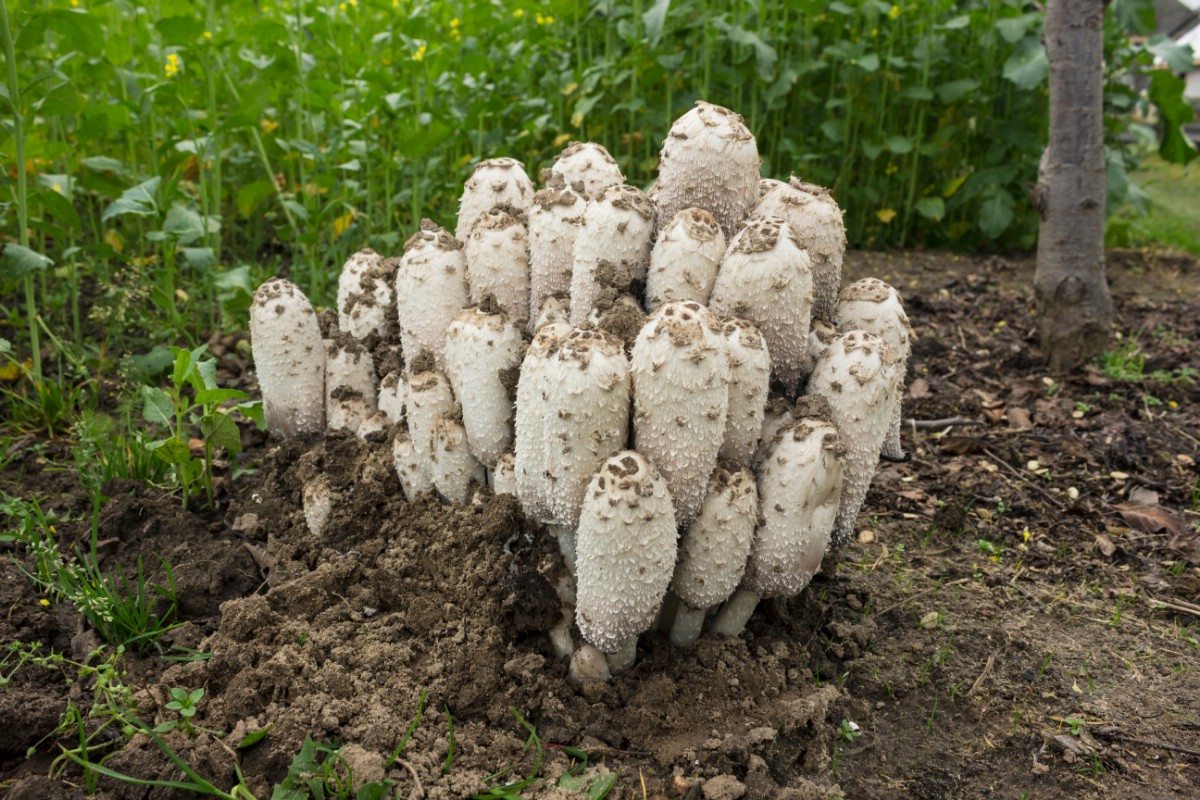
x=987, y=669
x=1059, y=504
x=1174, y=605
x=938, y=424
x=1146, y=742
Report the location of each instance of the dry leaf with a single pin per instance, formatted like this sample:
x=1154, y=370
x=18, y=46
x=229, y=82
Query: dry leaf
x=919, y=389
x=1187, y=544
x=960, y=445
x=1019, y=418
x=1148, y=519
x=1106, y=545
x=1144, y=496
x=994, y=411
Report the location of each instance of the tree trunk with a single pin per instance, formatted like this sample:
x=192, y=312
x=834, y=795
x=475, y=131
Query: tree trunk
x=1074, y=307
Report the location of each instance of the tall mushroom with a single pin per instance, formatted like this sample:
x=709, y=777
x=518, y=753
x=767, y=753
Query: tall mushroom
x=497, y=256
x=587, y=165
x=612, y=250
x=494, y=182
x=431, y=287
x=684, y=260
x=289, y=359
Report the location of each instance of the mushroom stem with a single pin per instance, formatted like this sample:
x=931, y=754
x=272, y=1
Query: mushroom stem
x=623, y=658
x=560, y=635
x=565, y=535
x=732, y=618
x=688, y=623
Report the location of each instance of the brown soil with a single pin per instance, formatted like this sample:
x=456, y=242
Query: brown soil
x=1000, y=628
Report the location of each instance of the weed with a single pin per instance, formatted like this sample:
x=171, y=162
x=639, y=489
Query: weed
x=1075, y=725
x=450, y=746
x=184, y=703
x=993, y=550
x=1045, y=665
x=1123, y=602
x=931, y=718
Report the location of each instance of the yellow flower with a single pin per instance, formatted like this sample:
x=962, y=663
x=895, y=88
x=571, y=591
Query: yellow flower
x=44, y=601
x=171, y=68
x=520, y=12
x=268, y=125
x=56, y=187
x=541, y=20
x=342, y=223
x=892, y=169
x=420, y=54
x=53, y=529
x=74, y=4
x=895, y=12
x=342, y=7
x=207, y=35
x=885, y=215
x=454, y=22
x=1025, y=534
x=395, y=3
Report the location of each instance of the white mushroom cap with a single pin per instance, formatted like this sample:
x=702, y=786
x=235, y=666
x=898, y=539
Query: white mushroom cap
x=483, y=352
x=589, y=166
x=289, y=358
x=504, y=475
x=766, y=277
x=534, y=489
x=318, y=505
x=494, y=182
x=555, y=308
x=816, y=221
x=349, y=384
x=429, y=397
x=749, y=383
x=497, y=253
x=680, y=371
x=684, y=260
x=364, y=295
x=799, y=484
x=709, y=160
x=713, y=552
x=391, y=396
x=626, y=551
x=776, y=415
x=430, y=289
x=873, y=306
x=412, y=470
x=587, y=394
x=613, y=248
x=455, y=471
x=555, y=220
x=858, y=375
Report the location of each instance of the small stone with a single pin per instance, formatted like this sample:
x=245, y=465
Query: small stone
x=1073, y=493
x=1119, y=476
x=866, y=537
x=1033, y=466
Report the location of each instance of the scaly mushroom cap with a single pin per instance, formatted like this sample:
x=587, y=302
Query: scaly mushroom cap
x=766, y=185
x=504, y=475
x=749, y=383
x=428, y=396
x=391, y=396
x=318, y=505
x=712, y=555
x=612, y=250
x=625, y=550
x=873, y=306
x=349, y=384
x=555, y=308
x=495, y=182
x=411, y=469
x=709, y=160
x=680, y=371
x=555, y=220
x=816, y=220
x=858, y=375
x=776, y=415
x=483, y=353
x=455, y=471
x=364, y=295
x=534, y=489
x=766, y=278
x=799, y=484
x=589, y=166
x=431, y=287
x=289, y=359
x=497, y=253
x=587, y=393
x=684, y=261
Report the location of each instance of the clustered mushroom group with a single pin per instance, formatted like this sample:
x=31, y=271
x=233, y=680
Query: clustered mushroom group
x=669, y=381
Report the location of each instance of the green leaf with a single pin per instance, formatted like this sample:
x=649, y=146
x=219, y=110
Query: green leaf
x=1135, y=17
x=654, y=20
x=254, y=737
x=185, y=362
x=177, y=30
x=205, y=377
x=899, y=145
x=1177, y=56
x=203, y=258
x=76, y=29
x=869, y=62
x=157, y=406
x=956, y=90
x=59, y=207
x=931, y=208
x=956, y=23
x=251, y=196
x=996, y=213
x=916, y=93
x=210, y=398
x=59, y=100
x=183, y=224
x=106, y=164
x=172, y=451
x=1028, y=66
x=138, y=200
x=254, y=412
x=764, y=54
x=17, y=261
x=1013, y=29
x=1166, y=92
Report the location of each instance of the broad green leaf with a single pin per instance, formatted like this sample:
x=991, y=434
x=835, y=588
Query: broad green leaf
x=1135, y=17
x=251, y=196
x=253, y=411
x=256, y=59
x=202, y=258
x=1027, y=67
x=916, y=93
x=1178, y=57
x=17, y=261
x=932, y=207
x=177, y=30
x=954, y=91
x=764, y=54
x=1166, y=92
x=871, y=148
x=956, y=23
x=869, y=62
x=185, y=364
x=214, y=397
x=206, y=373
x=254, y=737
x=138, y=200
x=996, y=213
x=61, y=99
x=899, y=145
x=1013, y=29
x=654, y=20
x=220, y=430
x=59, y=207
x=150, y=366
x=157, y=406
x=77, y=30
x=183, y=224
x=105, y=164
x=173, y=451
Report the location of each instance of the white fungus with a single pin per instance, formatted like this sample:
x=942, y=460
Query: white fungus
x=497, y=181
x=684, y=260
x=613, y=248
x=430, y=289
x=289, y=359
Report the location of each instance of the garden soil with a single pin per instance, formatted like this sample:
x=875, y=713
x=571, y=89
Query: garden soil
x=1018, y=617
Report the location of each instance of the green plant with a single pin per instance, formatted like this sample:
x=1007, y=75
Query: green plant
x=127, y=610
x=194, y=399
x=1123, y=602
x=184, y=703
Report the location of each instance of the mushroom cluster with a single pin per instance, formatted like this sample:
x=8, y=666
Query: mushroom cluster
x=669, y=382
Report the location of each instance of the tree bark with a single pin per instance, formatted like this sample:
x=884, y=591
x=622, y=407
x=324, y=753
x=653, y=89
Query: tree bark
x=1073, y=303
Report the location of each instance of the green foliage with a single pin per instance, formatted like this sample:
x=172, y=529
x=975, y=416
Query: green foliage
x=193, y=402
